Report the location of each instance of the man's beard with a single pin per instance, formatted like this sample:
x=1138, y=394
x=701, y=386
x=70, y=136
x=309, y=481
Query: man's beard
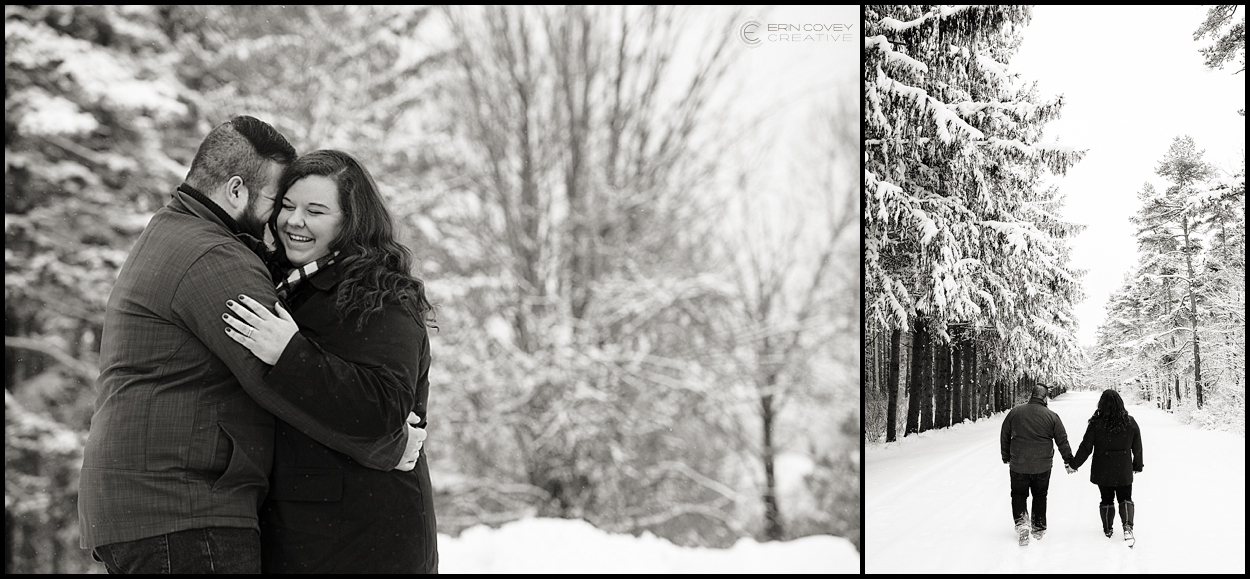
x=250, y=222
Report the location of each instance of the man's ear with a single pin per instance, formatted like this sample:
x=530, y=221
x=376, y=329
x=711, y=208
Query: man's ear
x=236, y=193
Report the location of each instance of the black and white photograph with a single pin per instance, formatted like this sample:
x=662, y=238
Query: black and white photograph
x=1054, y=289
x=451, y=289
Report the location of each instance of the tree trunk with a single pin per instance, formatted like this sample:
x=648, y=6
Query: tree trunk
x=970, y=380
x=919, y=338
x=942, y=384
x=978, y=381
x=957, y=391
x=878, y=377
x=996, y=385
x=891, y=386
x=924, y=359
x=988, y=386
x=773, y=529
x=1193, y=313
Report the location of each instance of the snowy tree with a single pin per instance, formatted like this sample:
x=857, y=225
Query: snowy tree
x=793, y=294
x=1168, y=231
x=1177, y=325
x=576, y=190
x=1229, y=43
x=960, y=229
x=357, y=78
x=97, y=132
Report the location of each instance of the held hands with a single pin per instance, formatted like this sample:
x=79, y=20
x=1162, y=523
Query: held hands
x=265, y=334
x=1070, y=469
x=416, y=439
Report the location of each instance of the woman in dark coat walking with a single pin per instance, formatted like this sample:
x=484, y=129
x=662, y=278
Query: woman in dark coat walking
x=362, y=318
x=1115, y=442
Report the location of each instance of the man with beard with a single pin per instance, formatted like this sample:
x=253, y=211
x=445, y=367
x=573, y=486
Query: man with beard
x=181, y=442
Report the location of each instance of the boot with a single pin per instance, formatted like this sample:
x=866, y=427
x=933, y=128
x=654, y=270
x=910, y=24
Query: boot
x=1108, y=518
x=1127, y=509
x=1039, y=529
x=1022, y=529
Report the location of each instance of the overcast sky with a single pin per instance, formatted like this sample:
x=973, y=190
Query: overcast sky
x=1132, y=79
x=787, y=74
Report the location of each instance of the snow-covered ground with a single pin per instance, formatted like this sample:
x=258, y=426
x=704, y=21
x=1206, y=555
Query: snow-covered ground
x=570, y=546
x=940, y=503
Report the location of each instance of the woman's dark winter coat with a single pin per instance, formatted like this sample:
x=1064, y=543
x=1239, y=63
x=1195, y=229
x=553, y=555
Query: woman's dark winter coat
x=325, y=512
x=1117, y=455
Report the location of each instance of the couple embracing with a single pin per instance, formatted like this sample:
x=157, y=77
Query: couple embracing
x=1030, y=433
x=263, y=409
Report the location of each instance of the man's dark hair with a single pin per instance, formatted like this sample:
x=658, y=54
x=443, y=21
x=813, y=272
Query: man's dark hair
x=240, y=147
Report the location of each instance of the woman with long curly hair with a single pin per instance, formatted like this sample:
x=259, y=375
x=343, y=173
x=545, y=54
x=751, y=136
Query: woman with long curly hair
x=350, y=307
x=1115, y=442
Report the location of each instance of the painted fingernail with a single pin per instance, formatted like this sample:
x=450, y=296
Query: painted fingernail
x=225, y=316
x=242, y=297
x=230, y=303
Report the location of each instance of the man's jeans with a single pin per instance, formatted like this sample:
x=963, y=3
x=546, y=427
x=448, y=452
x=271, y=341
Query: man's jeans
x=1021, y=484
x=211, y=550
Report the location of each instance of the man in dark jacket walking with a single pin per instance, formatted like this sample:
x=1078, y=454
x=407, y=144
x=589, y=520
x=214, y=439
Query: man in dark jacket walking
x=1030, y=433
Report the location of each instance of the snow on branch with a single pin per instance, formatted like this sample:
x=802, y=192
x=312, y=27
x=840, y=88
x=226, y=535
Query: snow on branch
x=899, y=26
x=878, y=42
x=948, y=11
x=892, y=56
x=1018, y=233
x=1010, y=145
x=993, y=67
x=1054, y=148
x=939, y=14
x=942, y=116
x=928, y=228
x=901, y=59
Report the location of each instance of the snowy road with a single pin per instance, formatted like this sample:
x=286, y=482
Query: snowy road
x=941, y=503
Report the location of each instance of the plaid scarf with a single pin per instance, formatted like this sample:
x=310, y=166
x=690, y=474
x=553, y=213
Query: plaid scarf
x=302, y=273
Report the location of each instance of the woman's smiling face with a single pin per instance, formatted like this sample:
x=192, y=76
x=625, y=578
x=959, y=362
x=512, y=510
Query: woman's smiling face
x=309, y=219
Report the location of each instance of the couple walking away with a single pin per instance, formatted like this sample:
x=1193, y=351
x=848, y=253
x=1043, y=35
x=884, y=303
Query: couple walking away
x=1027, y=442
x=229, y=438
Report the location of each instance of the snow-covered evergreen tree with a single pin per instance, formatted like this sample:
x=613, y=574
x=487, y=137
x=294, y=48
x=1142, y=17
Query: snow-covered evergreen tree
x=960, y=227
x=1177, y=325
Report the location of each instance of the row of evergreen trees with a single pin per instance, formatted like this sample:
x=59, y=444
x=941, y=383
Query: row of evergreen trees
x=1176, y=328
x=965, y=256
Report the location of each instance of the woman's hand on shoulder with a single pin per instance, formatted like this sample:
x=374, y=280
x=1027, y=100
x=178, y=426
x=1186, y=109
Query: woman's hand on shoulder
x=261, y=332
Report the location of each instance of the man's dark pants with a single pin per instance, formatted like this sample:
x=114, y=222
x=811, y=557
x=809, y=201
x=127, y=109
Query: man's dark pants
x=211, y=550
x=1021, y=485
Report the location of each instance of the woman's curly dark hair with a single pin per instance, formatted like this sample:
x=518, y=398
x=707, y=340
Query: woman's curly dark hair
x=1111, y=412
x=373, y=265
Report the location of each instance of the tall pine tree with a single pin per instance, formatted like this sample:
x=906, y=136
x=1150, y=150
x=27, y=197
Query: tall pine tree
x=959, y=227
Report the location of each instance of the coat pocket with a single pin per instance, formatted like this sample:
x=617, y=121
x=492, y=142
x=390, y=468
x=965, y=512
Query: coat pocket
x=247, y=465
x=290, y=483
